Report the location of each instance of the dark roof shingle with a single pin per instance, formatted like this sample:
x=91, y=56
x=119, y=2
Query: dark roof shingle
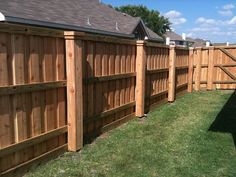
x=87, y=14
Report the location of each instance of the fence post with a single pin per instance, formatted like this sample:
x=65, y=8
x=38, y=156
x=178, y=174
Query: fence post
x=172, y=79
x=198, y=69
x=140, y=78
x=210, y=69
x=190, y=71
x=74, y=91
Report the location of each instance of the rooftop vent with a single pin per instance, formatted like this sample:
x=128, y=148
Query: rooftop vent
x=184, y=36
x=117, y=27
x=88, y=22
x=2, y=17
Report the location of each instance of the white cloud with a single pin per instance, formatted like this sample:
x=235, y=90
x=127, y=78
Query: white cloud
x=227, y=10
x=175, y=17
x=222, y=33
x=228, y=7
x=204, y=21
x=178, y=21
x=172, y=14
x=210, y=22
x=204, y=29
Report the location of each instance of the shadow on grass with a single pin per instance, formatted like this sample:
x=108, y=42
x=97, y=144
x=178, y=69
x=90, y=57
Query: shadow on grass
x=225, y=121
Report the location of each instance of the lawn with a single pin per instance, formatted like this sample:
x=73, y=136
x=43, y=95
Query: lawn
x=193, y=137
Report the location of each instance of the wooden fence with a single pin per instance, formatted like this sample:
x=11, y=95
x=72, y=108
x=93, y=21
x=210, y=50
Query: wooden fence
x=157, y=74
x=32, y=98
x=108, y=84
x=214, y=68
x=58, y=89
x=182, y=70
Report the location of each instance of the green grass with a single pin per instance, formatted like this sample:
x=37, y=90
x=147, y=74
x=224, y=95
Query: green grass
x=174, y=141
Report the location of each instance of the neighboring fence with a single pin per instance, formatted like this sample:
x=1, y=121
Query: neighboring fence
x=59, y=90
x=215, y=68
x=32, y=97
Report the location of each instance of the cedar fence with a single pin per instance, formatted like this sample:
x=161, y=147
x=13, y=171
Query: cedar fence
x=58, y=90
x=214, y=68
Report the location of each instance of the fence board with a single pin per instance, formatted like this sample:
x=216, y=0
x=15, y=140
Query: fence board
x=22, y=94
x=107, y=81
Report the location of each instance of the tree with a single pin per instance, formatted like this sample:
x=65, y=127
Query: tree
x=152, y=18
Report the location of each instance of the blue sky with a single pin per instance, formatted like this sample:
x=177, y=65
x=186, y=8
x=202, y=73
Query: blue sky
x=207, y=19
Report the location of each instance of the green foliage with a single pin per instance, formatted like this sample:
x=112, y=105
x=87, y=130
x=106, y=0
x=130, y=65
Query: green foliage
x=174, y=141
x=152, y=18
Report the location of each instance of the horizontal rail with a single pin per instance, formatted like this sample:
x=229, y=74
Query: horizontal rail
x=182, y=85
x=181, y=48
x=181, y=67
x=32, y=141
x=226, y=65
x=154, y=71
x=16, y=89
x=202, y=66
x=109, y=78
x=226, y=47
x=108, y=39
x=38, y=159
x=217, y=65
x=157, y=95
x=105, y=128
x=218, y=82
x=152, y=44
x=202, y=82
x=116, y=123
x=224, y=82
x=109, y=112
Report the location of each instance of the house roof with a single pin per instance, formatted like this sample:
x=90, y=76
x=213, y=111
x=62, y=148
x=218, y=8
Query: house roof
x=199, y=43
x=176, y=37
x=152, y=35
x=80, y=15
x=173, y=36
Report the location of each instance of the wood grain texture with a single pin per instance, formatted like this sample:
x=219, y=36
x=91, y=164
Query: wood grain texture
x=74, y=94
